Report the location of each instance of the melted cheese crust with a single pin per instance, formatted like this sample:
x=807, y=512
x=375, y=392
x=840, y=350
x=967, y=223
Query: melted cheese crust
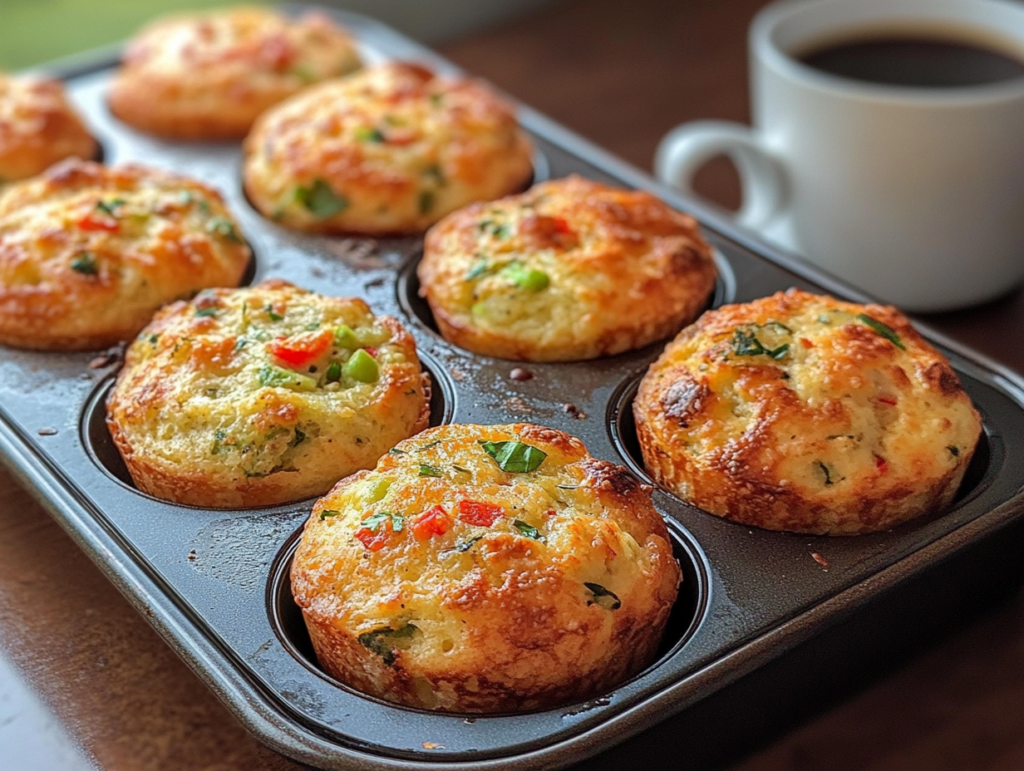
x=612, y=270
x=393, y=148
x=486, y=617
x=209, y=75
x=803, y=413
x=38, y=127
x=88, y=252
x=206, y=412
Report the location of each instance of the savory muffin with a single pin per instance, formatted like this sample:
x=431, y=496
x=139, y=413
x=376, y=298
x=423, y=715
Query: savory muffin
x=486, y=569
x=803, y=413
x=571, y=269
x=208, y=75
x=88, y=252
x=391, y=149
x=38, y=127
x=249, y=397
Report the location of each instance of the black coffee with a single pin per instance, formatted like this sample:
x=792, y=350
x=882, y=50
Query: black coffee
x=915, y=61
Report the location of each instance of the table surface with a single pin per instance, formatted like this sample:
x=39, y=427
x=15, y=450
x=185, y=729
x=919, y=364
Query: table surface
x=85, y=682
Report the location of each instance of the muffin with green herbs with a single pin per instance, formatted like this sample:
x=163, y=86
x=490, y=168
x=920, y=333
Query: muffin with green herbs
x=89, y=252
x=257, y=396
x=804, y=413
x=571, y=269
x=486, y=569
x=390, y=149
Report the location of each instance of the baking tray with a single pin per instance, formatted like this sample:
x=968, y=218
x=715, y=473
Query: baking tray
x=761, y=615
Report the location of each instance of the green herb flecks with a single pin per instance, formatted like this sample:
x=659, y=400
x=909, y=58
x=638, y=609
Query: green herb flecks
x=271, y=313
x=86, y=264
x=606, y=599
x=825, y=472
x=206, y=312
x=275, y=377
x=514, y=456
x=374, y=521
x=528, y=530
x=479, y=268
x=320, y=200
x=110, y=207
x=427, y=200
x=396, y=451
x=224, y=228
x=429, y=471
x=882, y=329
x=386, y=642
x=372, y=135
x=464, y=546
x=746, y=343
x=329, y=513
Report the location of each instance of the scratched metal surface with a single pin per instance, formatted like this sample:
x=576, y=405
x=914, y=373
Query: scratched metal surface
x=212, y=582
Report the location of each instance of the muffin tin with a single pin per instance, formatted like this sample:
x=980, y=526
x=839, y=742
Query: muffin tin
x=214, y=582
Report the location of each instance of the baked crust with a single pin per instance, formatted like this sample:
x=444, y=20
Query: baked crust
x=389, y=150
x=571, y=269
x=207, y=412
x=799, y=412
x=209, y=75
x=88, y=252
x=38, y=127
x=484, y=617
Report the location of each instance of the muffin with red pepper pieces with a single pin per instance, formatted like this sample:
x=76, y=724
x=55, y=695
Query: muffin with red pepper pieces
x=256, y=396
x=390, y=149
x=38, y=127
x=486, y=569
x=89, y=252
x=571, y=269
x=799, y=412
x=209, y=75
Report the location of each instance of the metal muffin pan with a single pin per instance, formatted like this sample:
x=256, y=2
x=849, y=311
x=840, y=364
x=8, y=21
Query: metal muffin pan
x=214, y=582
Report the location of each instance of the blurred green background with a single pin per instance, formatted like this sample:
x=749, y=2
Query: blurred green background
x=35, y=31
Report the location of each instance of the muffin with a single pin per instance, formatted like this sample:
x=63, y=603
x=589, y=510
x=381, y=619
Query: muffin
x=38, y=127
x=250, y=397
x=389, y=150
x=208, y=75
x=799, y=412
x=571, y=269
x=486, y=569
x=88, y=252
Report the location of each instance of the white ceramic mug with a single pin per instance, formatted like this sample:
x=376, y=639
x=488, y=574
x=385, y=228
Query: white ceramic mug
x=915, y=195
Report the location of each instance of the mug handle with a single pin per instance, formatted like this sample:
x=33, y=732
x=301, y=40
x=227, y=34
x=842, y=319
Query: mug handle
x=689, y=146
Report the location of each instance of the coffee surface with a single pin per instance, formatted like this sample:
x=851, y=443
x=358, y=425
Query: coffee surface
x=914, y=61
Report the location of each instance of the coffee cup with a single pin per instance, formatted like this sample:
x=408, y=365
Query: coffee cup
x=906, y=182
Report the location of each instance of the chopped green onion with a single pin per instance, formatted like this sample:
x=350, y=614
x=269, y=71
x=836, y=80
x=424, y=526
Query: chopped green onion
x=530, y=279
x=85, y=263
x=274, y=315
x=513, y=456
x=745, y=343
x=480, y=267
x=606, y=599
x=111, y=206
x=381, y=641
x=320, y=200
x=882, y=329
x=328, y=513
x=396, y=451
x=362, y=366
x=464, y=546
x=374, y=521
x=206, y=312
x=429, y=471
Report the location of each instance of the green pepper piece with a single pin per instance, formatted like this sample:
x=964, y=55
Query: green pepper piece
x=362, y=366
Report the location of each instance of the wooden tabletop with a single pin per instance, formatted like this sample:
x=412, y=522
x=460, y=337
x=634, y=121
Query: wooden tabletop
x=85, y=682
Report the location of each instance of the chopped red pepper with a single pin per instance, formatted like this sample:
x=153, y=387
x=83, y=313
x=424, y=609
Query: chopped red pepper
x=371, y=350
x=881, y=465
x=302, y=349
x=887, y=400
x=433, y=522
x=93, y=222
x=480, y=513
x=546, y=232
x=806, y=343
x=375, y=540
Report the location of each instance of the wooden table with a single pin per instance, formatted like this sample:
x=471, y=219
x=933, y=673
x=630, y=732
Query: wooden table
x=84, y=680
